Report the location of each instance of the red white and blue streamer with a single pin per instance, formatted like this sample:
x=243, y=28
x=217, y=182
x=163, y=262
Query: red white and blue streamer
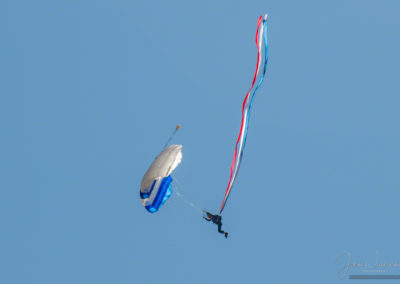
x=262, y=59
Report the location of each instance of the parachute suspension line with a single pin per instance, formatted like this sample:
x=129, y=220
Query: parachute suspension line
x=177, y=193
x=262, y=57
x=172, y=135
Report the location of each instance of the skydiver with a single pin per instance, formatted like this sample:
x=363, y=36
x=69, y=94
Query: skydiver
x=216, y=219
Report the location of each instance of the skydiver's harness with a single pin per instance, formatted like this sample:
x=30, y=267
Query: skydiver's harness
x=216, y=219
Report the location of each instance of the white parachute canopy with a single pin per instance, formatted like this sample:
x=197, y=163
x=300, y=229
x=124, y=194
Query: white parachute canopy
x=155, y=188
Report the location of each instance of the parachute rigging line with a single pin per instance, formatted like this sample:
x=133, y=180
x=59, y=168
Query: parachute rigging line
x=172, y=135
x=262, y=57
x=177, y=192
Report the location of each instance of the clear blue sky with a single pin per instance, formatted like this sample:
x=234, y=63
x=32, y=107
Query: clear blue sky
x=91, y=90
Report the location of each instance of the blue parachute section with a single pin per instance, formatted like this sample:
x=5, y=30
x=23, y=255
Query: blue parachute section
x=161, y=190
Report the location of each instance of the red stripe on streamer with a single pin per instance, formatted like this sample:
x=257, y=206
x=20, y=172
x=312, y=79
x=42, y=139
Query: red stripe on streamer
x=242, y=123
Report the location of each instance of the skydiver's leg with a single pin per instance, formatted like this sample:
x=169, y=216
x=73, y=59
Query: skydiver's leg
x=219, y=228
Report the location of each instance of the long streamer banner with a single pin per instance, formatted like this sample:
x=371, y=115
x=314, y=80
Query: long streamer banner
x=262, y=59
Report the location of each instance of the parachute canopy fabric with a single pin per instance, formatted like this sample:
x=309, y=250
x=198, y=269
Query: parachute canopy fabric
x=155, y=188
x=262, y=59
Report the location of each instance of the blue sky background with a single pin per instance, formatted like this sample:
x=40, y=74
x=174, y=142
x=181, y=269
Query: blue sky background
x=91, y=90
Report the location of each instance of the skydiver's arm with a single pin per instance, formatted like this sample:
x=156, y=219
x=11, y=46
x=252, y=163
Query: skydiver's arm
x=206, y=218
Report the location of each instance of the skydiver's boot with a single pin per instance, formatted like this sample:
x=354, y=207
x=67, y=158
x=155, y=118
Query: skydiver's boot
x=226, y=235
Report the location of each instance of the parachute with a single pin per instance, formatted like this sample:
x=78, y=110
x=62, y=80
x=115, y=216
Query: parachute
x=156, y=186
x=262, y=59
